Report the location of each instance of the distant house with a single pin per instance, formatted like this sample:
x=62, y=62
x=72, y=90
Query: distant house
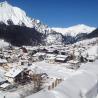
x=74, y=64
x=50, y=51
x=43, y=50
x=50, y=58
x=39, y=56
x=91, y=58
x=50, y=55
x=3, y=61
x=61, y=58
x=63, y=53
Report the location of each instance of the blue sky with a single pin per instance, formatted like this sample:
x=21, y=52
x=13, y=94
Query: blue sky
x=61, y=13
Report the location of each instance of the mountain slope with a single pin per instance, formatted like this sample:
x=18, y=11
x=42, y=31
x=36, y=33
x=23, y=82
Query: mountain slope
x=93, y=34
x=15, y=17
x=75, y=30
x=18, y=29
x=20, y=35
x=11, y=15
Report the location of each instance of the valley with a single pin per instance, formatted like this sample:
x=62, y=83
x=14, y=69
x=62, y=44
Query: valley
x=38, y=61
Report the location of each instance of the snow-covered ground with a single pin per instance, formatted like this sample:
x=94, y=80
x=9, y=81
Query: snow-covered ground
x=3, y=43
x=54, y=70
x=80, y=83
x=83, y=84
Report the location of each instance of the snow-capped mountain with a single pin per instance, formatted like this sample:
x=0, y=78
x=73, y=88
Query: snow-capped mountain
x=16, y=16
x=13, y=14
x=75, y=30
x=93, y=34
x=30, y=28
x=17, y=28
x=12, y=17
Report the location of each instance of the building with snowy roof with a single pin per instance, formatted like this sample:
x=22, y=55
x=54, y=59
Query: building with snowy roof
x=12, y=73
x=3, y=61
x=61, y=58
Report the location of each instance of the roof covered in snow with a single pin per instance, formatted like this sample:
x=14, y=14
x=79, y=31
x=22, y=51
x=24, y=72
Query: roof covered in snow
x=14, y=71
x=3, y=61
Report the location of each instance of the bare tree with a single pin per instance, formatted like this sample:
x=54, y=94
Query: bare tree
x=38, y=81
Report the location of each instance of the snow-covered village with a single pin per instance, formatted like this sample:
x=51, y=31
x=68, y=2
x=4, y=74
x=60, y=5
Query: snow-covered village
x=38, y=61
x=27, y=70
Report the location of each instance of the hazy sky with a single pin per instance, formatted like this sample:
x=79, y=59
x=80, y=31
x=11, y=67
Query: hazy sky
x=61, y=13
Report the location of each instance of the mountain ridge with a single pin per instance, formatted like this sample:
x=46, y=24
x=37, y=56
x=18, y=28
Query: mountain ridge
x=12, y=16
x=17, y=16
x=75, y=30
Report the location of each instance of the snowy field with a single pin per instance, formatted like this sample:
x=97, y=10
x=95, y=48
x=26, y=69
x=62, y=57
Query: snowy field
x=54, y=70
x=83, y=84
